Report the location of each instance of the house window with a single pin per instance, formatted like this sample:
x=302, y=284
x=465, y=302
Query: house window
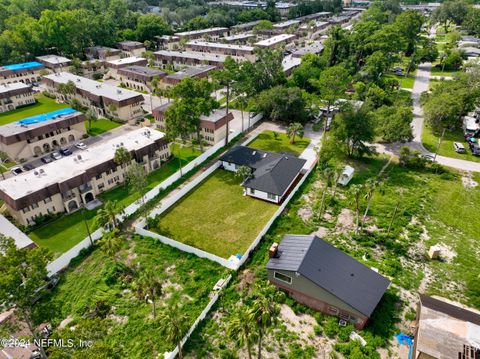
x=34, y=205
x=271, y=196
x=47, y=200
x=252, y=191
x=282, y=277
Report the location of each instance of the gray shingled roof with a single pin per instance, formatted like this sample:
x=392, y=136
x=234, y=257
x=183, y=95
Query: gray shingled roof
x=333, y=270
x=272, y=172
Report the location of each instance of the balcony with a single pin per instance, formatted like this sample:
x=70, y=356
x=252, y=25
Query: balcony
x=68, y=196
x=85, y=188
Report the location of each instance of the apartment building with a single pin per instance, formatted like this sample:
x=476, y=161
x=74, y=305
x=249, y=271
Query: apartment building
x=315, y=16
x=132, y=48
x=246, y=26
x=139, y=77
x=315, y=47
x=114, y=65
x=36, y=135
x=247, y=52
x=102, y=53
x=179, y=59
x=200, y=71
x=314, y=26
x=105, y=100
x=284, y=25
x=15, y=95
x=213, y=126
x=241, y=38
x=67, y=184
x=278, y=40
x=26, y=72
x=167, y=42
x=54, y=62
x=212, y=33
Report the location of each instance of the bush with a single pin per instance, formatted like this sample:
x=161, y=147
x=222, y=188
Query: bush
x=412, y=159
x=331, y=327
x=49, y=95
x=97, y=76
x=317, y=329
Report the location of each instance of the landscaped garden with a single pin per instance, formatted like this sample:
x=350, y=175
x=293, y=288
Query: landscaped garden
x=43, y=105
x=216, y=217
x=101, y=298
x=68, y=230
x=279, y=142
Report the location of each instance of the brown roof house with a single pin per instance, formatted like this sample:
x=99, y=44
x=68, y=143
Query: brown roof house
x=315, y=273
x=445, y=330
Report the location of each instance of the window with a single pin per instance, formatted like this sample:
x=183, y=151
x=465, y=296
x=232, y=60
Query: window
x=252, y=191
x=26, y=209
x=99, y=176
x=333, y=310
x=47, y=200
x=271, y=196
x=34, y=205
x=282, y=277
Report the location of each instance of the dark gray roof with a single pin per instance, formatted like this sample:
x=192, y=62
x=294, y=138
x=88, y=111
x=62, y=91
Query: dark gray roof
x=272, y=172
x=333, y=270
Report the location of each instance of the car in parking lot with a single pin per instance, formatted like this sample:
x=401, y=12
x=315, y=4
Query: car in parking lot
x=81, y=146
x=65, y=151
x=46, y=159
x=56, y=155
x=459, y=147
x=475, y=149
x=28, y=167
x=16, y=170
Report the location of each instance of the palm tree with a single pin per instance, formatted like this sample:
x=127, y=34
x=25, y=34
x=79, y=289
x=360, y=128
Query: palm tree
x=244, y=172
x=241, y=328
x=357, y=192
x=173, y=324
x=111, y=243
x=121, y=158
x=91, y=116
x=149, y=286
x=67, y=88
x=337, y=173
x=293, y=130
x=328, y=174
x=370, y=186
x=107, y=216
x=264, y=313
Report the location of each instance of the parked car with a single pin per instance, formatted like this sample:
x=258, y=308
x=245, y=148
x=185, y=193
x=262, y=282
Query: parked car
x=81, y=146
x=16, y=170
x=459, y=147
x=475, y=149
x=430, y=158
x=56, y=155
x=28, y=167
x=65, y=151
x=46, y=159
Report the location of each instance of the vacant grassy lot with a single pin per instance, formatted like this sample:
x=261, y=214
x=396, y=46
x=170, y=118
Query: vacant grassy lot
x=100, y=126
x=266, y=141
x=43, y=105
x=430, y=141
x=405, y=82
x=99, y=296
x=63, y=233
x=216, y=217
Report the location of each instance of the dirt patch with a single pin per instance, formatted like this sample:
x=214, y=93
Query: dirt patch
x=65, y=322
x=468, y=182
x=301, y=324
x=321, y=232
x=305, y=213
x=345, y=220
x=245, y=280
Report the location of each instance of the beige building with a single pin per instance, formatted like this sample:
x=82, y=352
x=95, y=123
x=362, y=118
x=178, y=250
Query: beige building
x=167, y=42
x=446, y=330
x=54, y=62
x=139, y=77
x=105, y=100
x=15, y=95
x=212, y=33
x=179, y=59
x=275, y=41
x=200, y=71
x=66, y=184
x=132, y=48
x=27, y=72
x=41, y=134
x=245, y=51
x=114, y=65
x=213, y=126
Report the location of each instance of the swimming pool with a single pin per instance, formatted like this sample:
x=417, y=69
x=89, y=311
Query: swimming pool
x=46, y=116
x=23, y=66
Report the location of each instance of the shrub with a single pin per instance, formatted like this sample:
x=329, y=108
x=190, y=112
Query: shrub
x=331, y=327
x=97, y=76
x=411, y=159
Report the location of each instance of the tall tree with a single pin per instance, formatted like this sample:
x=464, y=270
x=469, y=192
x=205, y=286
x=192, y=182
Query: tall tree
x=151, y=25
x=22, y=272
x=149, y=287
x=281, y=103
x=107, y=215
x=241, y=328
x=173, y=324
x=293, y=130
x=137, y=181
x=244, y=172
x=122, y=158
x=111, y=243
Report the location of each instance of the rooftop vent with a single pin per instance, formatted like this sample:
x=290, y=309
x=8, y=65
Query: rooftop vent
x=78, y=80
x=119, y=91
x=35, y=173
x=41, y=171
x=254, y=153
x=79, y=157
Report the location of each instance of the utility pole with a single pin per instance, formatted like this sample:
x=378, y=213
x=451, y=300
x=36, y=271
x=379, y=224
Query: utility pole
x=438, y=146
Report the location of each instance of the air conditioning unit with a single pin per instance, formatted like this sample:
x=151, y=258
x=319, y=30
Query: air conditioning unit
x=79, y=157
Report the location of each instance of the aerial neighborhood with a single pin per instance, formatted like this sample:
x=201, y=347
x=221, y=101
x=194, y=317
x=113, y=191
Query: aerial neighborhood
x=240, y=179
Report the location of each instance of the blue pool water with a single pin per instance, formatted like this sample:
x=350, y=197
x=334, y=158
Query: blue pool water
x=45, y=116
x=22, y=66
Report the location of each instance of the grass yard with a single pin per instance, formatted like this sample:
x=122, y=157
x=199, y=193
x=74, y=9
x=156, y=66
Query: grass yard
x=100, y=126
x=438, y=72
x=43, y=105
x=266, y=141
x=98, y=294
x=430, y=141
x=216, y=217
x=68, y=230
x=405, y=82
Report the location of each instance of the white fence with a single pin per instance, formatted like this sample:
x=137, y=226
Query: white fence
x=63, y=261
x=173, y=354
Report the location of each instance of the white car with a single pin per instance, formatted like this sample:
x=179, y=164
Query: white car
x=56, y=155
x=16, y=170
x=81, y=146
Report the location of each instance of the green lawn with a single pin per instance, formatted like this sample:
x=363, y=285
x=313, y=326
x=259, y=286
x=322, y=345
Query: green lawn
x=100, y=126
x=216, y=216
x=68, y=230
x=438, y=72
x=267, y=142
x=405, y=82
x=123, y=325
x=430, y=141
x=43, y=105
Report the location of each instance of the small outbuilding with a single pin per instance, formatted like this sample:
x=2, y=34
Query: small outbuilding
x=346, y=175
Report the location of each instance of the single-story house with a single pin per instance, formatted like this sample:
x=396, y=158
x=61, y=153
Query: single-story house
x=471, y=51
x=446, y=330
x=273, y=174
x=322, y=277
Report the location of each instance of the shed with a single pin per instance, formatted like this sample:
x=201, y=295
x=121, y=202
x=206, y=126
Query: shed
x=346, y=175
